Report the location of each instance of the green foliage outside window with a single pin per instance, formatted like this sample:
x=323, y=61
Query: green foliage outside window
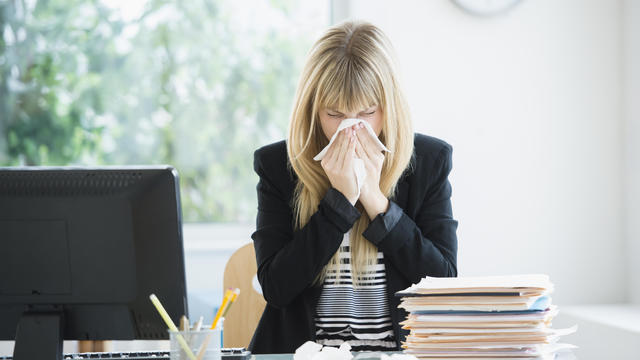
x=197, y=84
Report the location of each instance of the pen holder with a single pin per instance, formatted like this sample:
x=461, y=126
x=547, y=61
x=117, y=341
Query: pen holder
x=197, y=340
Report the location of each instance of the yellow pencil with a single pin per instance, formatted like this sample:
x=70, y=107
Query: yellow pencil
x=167, y=319
x=227, y=297
x=236, y=292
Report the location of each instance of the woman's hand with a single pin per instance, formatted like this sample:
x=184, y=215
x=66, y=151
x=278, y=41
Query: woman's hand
x=338, y=165
x=371, y=197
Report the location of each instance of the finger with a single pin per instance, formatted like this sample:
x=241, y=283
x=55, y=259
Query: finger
x=373, y=146
x=365, y=140
x=344, y=144
x=360, y=151
x=369, y=141
x=363, y=134
x=348, y=160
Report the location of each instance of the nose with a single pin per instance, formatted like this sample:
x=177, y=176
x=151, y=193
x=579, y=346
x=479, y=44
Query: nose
x=353, y=116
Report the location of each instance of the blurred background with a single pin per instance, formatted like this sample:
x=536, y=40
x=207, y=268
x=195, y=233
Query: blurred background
x=539, y=99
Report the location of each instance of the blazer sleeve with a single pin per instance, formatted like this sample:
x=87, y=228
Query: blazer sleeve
x=426, y=245
x=289, y=261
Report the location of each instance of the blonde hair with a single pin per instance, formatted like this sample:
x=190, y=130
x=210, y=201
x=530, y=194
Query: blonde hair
x=351, y=67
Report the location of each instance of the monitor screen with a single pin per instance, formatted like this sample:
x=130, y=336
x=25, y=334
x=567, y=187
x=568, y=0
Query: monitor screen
x=81, y=249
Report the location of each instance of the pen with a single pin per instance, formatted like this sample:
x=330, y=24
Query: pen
x=236, y=292
x=198, y=324
x=184, y=323
x=167, y=319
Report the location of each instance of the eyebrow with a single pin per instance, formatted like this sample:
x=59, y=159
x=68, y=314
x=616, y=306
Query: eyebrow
x=336, y=111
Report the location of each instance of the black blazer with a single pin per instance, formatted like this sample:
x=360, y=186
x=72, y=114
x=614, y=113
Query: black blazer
x=417, y=236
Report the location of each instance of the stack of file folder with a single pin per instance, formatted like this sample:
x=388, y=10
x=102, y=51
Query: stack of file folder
x=493, y=317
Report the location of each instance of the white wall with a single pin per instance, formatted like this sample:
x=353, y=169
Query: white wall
x=631, y=37
x=531, y=101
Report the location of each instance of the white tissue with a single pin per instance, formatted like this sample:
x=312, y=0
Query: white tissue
x=358, y=164
x=397, y=357
x=314, y=351
x=306, y=351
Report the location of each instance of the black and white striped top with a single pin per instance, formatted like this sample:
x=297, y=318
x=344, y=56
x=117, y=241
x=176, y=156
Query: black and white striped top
x=359, y=316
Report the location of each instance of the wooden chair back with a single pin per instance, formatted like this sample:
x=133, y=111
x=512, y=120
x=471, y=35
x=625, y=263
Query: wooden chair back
x=242, y=318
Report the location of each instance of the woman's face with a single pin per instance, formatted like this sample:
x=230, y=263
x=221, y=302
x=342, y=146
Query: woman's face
x=331, y=118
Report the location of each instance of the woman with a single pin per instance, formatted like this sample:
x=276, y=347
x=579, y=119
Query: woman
x=331, y=254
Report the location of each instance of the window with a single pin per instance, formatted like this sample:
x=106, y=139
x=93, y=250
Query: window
x=197, y=84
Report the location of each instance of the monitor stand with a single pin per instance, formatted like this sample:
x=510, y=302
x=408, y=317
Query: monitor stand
x=39, y=336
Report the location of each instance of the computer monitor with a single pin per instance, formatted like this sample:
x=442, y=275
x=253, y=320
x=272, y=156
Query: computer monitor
x=81, y=249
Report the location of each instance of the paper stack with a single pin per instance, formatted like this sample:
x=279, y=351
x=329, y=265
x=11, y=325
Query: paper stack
x=501, y=317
